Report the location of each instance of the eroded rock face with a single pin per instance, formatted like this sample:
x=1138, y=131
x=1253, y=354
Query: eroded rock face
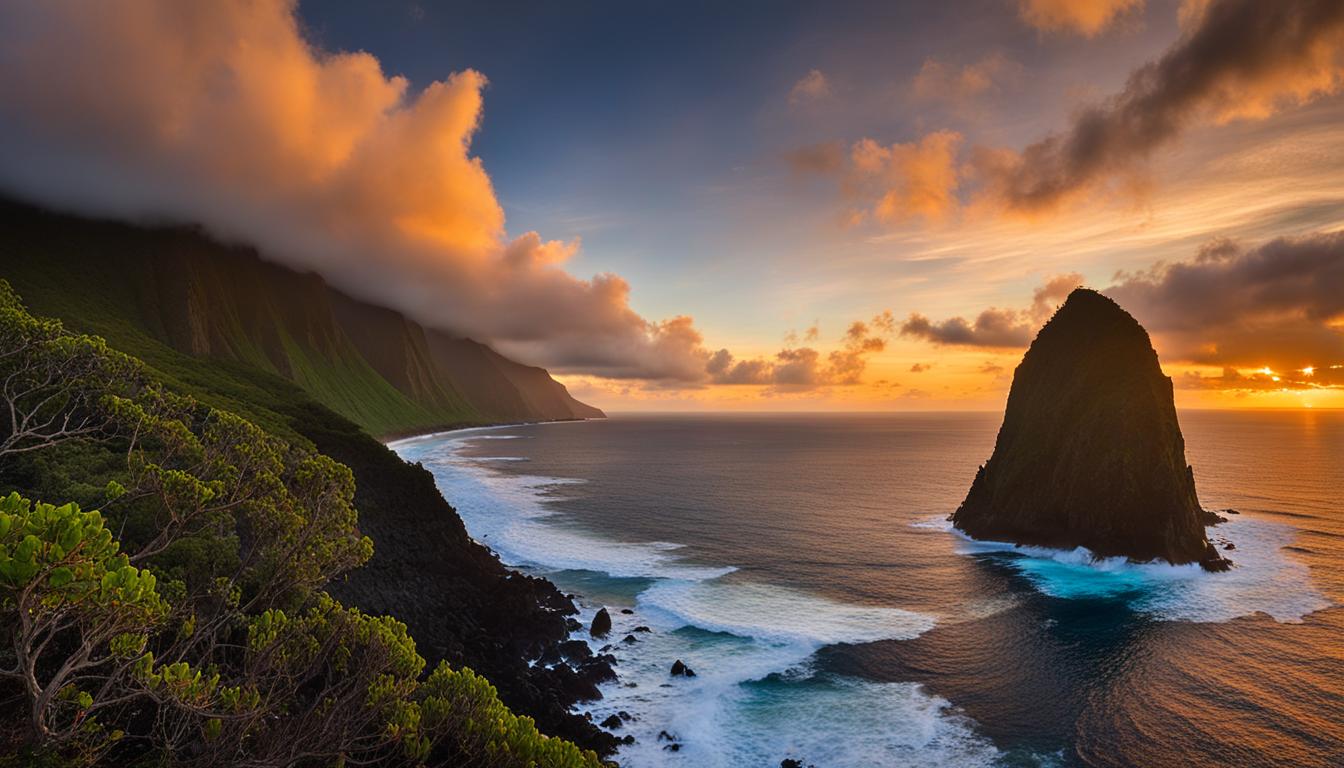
x=1090, y=452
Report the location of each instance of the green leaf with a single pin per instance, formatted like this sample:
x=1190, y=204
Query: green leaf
x=60, y=577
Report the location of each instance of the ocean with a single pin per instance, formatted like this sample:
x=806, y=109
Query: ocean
x=803, y=567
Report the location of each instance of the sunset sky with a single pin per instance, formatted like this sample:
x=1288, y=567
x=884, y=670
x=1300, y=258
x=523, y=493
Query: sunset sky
x=754, y=205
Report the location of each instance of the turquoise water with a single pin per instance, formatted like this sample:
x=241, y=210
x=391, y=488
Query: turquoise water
x=802, y=566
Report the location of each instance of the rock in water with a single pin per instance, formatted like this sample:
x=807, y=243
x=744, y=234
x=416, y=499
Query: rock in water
x=601, y=624
x=1090, y=453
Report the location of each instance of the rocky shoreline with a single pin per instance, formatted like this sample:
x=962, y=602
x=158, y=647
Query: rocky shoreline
x=460, y=603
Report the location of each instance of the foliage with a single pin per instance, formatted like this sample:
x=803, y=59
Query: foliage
x=199, y=633
x=63, y=578
x=55, y=382
x=464, y=709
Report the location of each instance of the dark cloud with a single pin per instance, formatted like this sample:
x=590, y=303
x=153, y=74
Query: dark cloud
x=825, y=158
x=1281, y=304
x=1237, y=58
x=1271, y=316
x=992, y=329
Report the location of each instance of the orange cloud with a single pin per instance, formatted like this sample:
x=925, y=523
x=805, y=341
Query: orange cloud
x=804, y=368
x=916, y=179
x=1085, y=17
x=812, y=87
x=223, y=114
x=892, y=183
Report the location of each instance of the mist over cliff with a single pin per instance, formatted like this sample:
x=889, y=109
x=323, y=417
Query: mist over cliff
x=178, y=287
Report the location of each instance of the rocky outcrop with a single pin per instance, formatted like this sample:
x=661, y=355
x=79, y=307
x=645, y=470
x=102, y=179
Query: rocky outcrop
x=601, y=624
x=1090, y=452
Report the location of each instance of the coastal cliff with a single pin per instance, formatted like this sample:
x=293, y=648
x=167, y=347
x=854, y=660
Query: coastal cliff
x=143, y=288
x=1090, y=453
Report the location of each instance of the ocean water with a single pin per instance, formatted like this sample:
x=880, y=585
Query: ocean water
x=802, y=566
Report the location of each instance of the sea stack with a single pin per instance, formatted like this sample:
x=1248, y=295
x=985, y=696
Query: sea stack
x=1090, y=453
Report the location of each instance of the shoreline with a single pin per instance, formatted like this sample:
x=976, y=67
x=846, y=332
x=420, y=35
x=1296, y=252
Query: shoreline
x=394, y=438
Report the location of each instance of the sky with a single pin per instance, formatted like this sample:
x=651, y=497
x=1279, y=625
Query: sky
x=749, y=205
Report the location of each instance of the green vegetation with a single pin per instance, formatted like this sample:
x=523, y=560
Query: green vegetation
x=169, y=296
x=186, y=622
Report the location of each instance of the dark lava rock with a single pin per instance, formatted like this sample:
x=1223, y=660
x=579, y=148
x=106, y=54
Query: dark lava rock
x=626, y=716
x=629, y=639
x=1090, y=452
x=626, y=611
x=612, y=721
x=599, y=668
x=679, y=668
x=1229, y=545
x=1209, y=517
x=572, y=684
x=642, y=628
x=673, y=747
x=574, y=650
x=628, y=739
x=601, y=624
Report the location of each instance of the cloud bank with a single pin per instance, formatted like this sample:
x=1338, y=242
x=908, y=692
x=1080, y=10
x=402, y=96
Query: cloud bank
x=1234, y=59
x=1279, y=305
x=804, y=368
x=223, y=114
x=1272, y=316
x=995, y=328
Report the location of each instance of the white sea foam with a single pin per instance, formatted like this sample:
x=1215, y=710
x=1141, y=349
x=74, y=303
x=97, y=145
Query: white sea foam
x=776, y=614
x=754, y=699
x=1264, y=579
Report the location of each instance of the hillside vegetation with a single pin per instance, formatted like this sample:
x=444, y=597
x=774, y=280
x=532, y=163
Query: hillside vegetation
x=165, y=600
x=172, y=295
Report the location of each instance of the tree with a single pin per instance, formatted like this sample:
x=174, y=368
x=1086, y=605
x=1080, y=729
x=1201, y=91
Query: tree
x=199, y=633
x=79, y=615
x=54, y=383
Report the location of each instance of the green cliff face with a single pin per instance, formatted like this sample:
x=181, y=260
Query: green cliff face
x=1090, y=452
x=160, y=293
